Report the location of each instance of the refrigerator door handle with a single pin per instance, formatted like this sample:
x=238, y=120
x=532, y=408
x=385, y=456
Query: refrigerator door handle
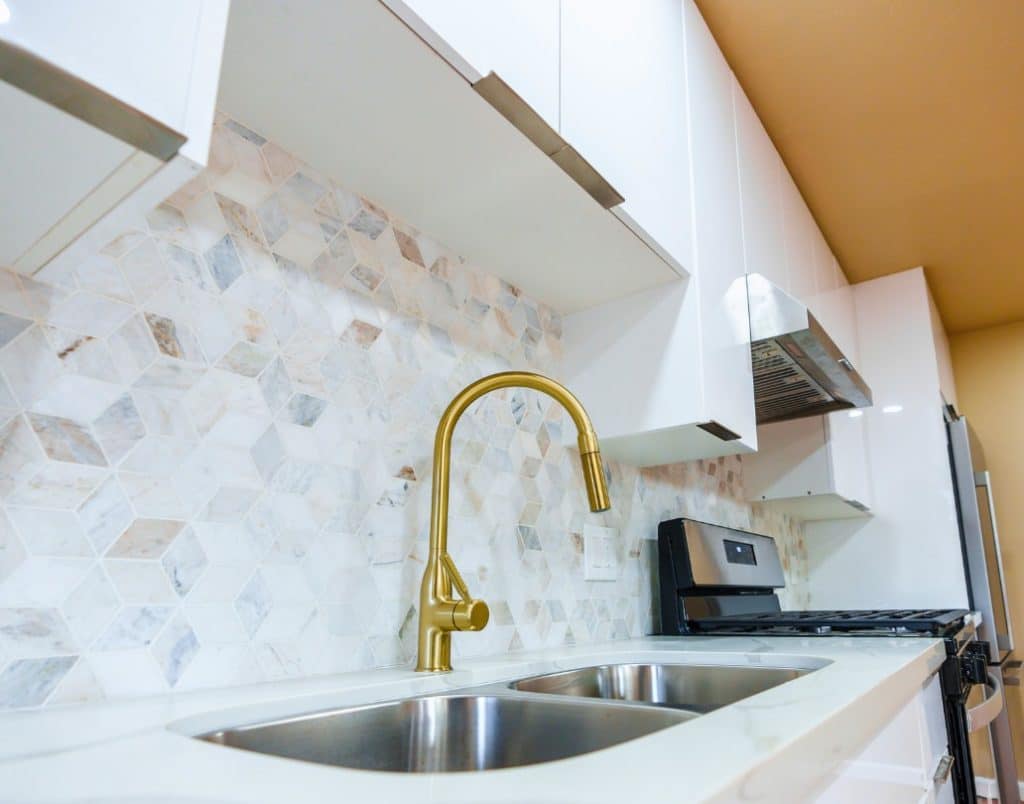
x=984, y=480
x=984, y=713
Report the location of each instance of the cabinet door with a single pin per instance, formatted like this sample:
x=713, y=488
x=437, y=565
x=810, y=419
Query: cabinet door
x=141, y=53
x=517, y=39
x=724, y=325
x=801, y=232
x=764, y=244
x=623, y=108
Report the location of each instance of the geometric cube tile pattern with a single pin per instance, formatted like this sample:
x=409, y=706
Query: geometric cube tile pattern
x=215, y=445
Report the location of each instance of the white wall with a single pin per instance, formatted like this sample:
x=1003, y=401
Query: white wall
x=908, y=553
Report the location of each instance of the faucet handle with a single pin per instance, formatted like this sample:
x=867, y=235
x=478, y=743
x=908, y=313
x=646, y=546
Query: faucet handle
x=469, y=613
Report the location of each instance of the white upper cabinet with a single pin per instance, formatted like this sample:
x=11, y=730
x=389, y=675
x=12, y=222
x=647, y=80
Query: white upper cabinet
x=666, y=374
x=801, y=233
x=517, y=39
x=108, y=109
x=812, y=469
x=718, y=229
x=764, y=239
x=623, y=97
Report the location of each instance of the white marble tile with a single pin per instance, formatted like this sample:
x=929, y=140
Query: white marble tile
x=28, y=682
x=134, y=626
x=77, y=397
x=50, y=533
x=35, y=632
x=29, y=366
x=140, y=582
x=58, y=485
x=43, y=582
x=175, y=648
x=20, y=454
x=267, y=413
x=91, y=606
x=90, y=314
x=105, y=515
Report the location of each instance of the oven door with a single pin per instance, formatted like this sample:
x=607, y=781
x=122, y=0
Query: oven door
x=974, y=705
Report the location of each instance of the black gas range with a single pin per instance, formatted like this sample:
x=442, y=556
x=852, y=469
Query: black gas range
x=718, y=581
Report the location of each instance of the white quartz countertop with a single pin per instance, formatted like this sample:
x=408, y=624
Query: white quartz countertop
x=780, y=745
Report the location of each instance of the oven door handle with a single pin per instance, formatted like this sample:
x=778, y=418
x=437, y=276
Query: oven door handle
x=984, y=713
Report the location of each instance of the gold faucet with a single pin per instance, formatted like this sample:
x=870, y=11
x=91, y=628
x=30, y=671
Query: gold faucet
x=440, y=613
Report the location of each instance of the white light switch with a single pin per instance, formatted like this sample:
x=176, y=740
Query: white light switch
x=599, y=562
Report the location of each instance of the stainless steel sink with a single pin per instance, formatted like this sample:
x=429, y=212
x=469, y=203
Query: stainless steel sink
x=694, y=688
x=450, y=733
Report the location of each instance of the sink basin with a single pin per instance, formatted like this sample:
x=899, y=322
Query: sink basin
x=694, y=688
x=450, y=733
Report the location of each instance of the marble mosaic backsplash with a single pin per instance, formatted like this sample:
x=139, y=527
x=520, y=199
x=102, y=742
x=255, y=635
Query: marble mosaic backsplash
x=215, y=445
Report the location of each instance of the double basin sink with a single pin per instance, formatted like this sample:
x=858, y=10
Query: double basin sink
x=532, y=720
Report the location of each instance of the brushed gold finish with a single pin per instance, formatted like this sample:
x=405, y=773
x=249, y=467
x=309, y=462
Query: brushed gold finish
x=440, y=613
x=69, y=93
x=510, y=105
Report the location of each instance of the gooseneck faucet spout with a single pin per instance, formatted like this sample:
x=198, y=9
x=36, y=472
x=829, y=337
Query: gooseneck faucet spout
x=440, y=613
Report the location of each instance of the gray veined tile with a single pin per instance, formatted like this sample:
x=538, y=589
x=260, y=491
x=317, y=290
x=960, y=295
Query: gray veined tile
x=245, y=358
x=10, y=327
x=187, y=267
x=29, y=682
x=105, y=515
x=304, y=409
x=253, y=604
x=119, y=428
x=368, y=223
x=133, y=627
x=66, y=440
x=175, y=648
x=275, y=385
x=184, y=562
x=223, y=262
x=146, y=538
x=304, y=188
x=34, y=632
x=245, y=133
x=78, y=686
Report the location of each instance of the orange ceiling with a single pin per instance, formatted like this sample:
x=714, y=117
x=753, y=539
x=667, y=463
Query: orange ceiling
x=902, y=122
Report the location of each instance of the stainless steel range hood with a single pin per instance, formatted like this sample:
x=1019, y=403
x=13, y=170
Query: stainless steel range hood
x=798, y=369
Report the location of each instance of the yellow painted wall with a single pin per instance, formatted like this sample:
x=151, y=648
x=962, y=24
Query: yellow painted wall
x=989, y=369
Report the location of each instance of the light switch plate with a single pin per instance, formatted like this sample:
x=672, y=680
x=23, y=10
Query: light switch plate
x=599, y=562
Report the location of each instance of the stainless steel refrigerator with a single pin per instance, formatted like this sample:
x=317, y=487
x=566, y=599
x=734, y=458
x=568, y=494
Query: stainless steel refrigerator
x=986, y=587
